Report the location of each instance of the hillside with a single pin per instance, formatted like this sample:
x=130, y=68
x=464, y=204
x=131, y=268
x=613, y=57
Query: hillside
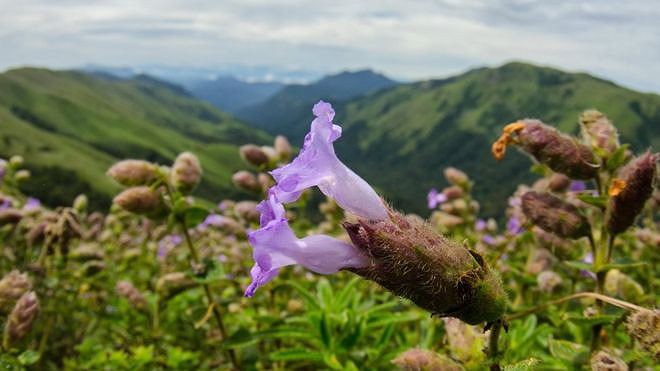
x=72, y=126
x=284, y=111
x=415, y=130
x=232, y=95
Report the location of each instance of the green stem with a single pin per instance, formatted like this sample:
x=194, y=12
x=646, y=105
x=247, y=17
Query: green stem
x=209, y=296
x=493, y=341
x=603, y=298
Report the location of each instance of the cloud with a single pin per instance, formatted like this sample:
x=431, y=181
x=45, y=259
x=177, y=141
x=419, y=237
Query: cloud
x=406, y=39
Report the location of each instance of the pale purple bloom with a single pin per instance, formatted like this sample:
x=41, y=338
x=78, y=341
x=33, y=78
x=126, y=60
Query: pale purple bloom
x=222, y=258
x=275, y=246
x=223, y=205
x=435, y=198
x=318, y=165
x=214, y=220
x=168, y=243
x=31, y=204
x=480, y=225
x=5, y=204
x=513, y=226
x=488, y=240
x=589, y=259
x=577, y=186
x=515, y=201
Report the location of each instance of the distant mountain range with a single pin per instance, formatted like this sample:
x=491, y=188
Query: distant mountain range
x=398, y=136
x=72, y=126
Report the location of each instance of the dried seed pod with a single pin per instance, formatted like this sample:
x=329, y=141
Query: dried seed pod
x=133, y=172
x=555, y=215
x=186, y=172
x=604, y=361
x=599, y=132
x=630, y=191
x=247, y=181
x=254, y=155
x=10, y=216
x=283, y=148
x=644, y=326
x=140, y=200
x=132, y=294
x=22, y=317
x=558, y=151
x=439, y=275
x=12, y=286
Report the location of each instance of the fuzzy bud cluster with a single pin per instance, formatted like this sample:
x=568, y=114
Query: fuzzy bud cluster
x=186, y=172
x=12, y=286
x=422, y=359
x=254, y=155
x=558, y=151
x=599, y=131
x=554, y=215
x=133, y=172
x=630, y=191
x=456, y=177
x=247, y=181
x=22, y=317
x=604, y=361
x=132, y=294
x=282, y=148
x=439, y=275
x=644, y=326
x=140, y=200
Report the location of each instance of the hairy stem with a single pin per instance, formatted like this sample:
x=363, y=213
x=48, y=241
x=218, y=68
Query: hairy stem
x=493, y=341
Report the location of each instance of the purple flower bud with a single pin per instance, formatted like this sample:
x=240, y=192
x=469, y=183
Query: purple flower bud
x=480, y=225
x=554, y=215
x=513, y=226
x=489, y=240
x=577, y=186
x=318, y=165
x=630, y=191
x=32, y=204
x=434, y=198
x=275, y=246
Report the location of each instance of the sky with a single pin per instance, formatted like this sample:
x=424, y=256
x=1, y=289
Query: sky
x=408, y=40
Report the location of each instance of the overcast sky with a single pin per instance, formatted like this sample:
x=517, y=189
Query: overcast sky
x=614, y=39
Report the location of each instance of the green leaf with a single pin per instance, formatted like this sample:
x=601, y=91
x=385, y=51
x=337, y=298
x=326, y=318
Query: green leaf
x=195, y=215
x=393, y=318
x=298, y=354
x=213, y=272
x=567, y=350
x=525, y=365
x=623, y=264
x=597, y=201
x=309, y=298
x=617, y=159
x=347, y=293
x=324, y=331
x=241, y=338
x=29, y=357
x=286, y=333
x=601, y=319
x=579, y=265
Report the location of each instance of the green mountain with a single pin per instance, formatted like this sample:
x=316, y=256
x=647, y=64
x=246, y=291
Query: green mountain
x=285, y=110
x=400, y=139
x=71, y=126
x=231, y=94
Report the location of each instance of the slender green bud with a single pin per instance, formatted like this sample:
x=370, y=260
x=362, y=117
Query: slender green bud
x=140, y=200
x=245, y=180
x=254, y=155
x=599, y=132
x=644, y=326
x=439, y=275
x=630, y=191
x=554, y=215
x=22, y=317
x=283, y=148
x=133, y=172
x=12, y=286
x=80, y=203
x=604, y=361
x=186, y=172
x=132, y=294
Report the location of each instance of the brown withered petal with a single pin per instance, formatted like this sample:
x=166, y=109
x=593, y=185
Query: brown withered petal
x=554, y=215
x=635, y=183
x=439, y=275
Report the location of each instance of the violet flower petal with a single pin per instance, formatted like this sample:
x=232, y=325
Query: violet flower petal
x=318, y=165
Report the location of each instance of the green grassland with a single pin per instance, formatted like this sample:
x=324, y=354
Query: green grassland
x=74, y=125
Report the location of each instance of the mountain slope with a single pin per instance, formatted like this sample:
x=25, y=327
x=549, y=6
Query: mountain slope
x=287, y=111
x=231, y=95
x=400, y=139
x=74, y=126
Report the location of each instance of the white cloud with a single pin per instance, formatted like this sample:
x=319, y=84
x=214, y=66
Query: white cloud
x=406, y=39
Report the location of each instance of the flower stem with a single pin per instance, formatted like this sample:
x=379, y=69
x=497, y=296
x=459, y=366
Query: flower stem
x=493, y=341
x=209, y=296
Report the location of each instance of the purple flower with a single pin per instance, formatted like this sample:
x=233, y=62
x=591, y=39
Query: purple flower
x=513, y=226
x=589, y=259
x=31, y=204
x=577, y=186
x=318, y=165
x=275, y=246
x=480, y=225
x=168, y=243
x=434, y=198
x=488, y=240
x=214, y=220
x=5, y=204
